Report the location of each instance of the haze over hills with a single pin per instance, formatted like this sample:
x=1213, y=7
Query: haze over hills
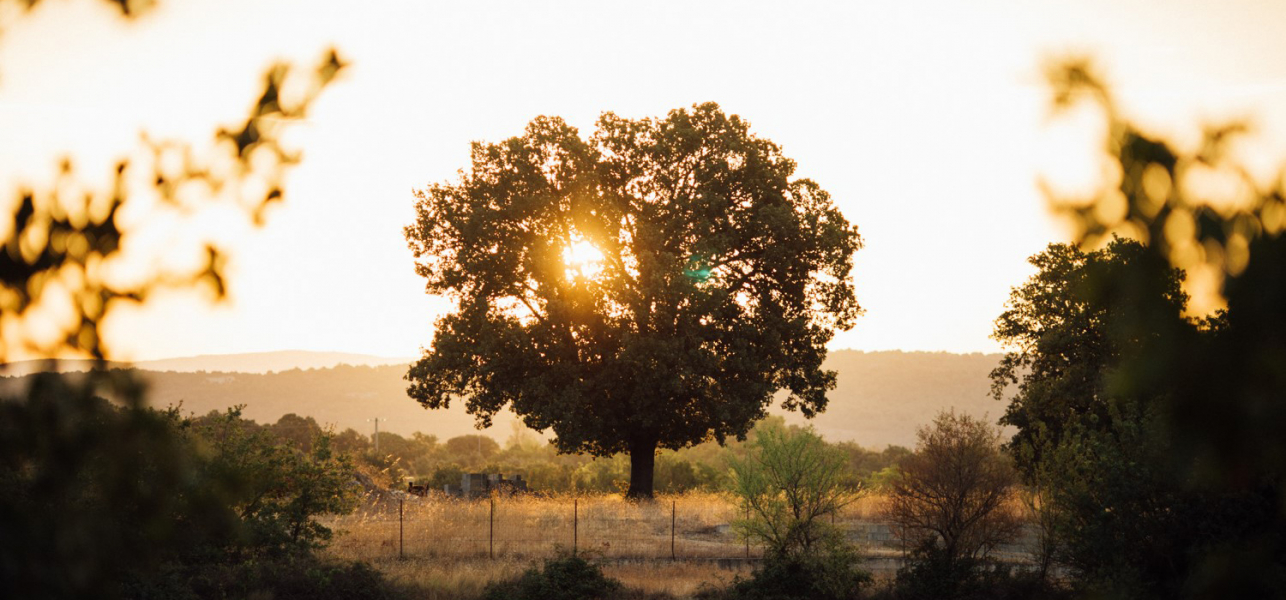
x=265, y=362
x=880, y=397
x=252, y=362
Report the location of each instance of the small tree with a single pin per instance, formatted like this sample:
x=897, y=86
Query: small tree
x=949, y=499
x=788, y=482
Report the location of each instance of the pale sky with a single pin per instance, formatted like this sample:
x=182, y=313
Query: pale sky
x=926, y=121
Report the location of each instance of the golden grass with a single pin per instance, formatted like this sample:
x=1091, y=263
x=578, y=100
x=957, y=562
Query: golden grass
x=436, y=579
x=680, y=579
x=686, y=526
x=465, y=579
x=446, y=543
x=524, y=527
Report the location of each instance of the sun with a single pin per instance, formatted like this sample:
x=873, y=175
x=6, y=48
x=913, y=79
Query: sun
x=582, y=259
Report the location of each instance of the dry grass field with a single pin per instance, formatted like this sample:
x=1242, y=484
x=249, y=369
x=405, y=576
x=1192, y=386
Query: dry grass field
x=687, y=526
x=465, y=579
x=451, y=548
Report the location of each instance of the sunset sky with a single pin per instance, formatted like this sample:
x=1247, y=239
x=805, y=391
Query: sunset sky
x=928, y=123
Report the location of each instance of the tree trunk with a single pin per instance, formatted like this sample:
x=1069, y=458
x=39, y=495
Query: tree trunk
x=642, y=470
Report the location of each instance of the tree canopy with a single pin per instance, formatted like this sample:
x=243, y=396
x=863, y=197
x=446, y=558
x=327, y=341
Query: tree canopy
x=651, y=286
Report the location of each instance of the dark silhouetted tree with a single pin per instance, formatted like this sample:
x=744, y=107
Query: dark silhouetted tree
x=296, y=430
x=1091, y=438
x=721, y=280
x=950, y=497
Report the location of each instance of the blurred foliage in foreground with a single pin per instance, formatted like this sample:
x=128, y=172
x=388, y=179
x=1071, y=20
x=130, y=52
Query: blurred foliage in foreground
x=1155, y=438
x=132, y=501
x=102, y=500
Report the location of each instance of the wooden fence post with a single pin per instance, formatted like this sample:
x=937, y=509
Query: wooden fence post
x=747, y=537
x=491, y=533
x=400, y=553
x=672, y=522
x=575, y=523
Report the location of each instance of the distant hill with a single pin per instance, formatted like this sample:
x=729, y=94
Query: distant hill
x=265, y=362
x=881, y=397
x=253, y=362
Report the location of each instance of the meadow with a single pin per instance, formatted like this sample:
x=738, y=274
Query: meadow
x=693, y=525
x=451, y=548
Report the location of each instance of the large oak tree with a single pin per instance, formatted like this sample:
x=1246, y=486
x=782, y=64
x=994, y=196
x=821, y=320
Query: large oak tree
x=651, y=287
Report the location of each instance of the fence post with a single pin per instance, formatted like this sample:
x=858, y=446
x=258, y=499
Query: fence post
x=672, y=521
x=491, y=530
x=400, y=553
x=575, y=523
x=747, y=537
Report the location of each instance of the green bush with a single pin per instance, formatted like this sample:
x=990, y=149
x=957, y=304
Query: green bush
x=277, y=491
x=788, y=482
x=566, y=578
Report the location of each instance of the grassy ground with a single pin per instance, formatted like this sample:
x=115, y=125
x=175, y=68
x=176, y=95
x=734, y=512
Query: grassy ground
x=452, y=549
x=688, y=526
x=465, y=579
x=446, y=548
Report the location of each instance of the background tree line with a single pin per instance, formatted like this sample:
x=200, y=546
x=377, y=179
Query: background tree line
x=426, y=459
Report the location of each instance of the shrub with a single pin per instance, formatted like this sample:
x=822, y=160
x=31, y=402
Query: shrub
x=931, y=575
x=830, y=573
x=567, y=577
x=788, y=482
x=276, y=491
x=96, y=498
x=950, y=495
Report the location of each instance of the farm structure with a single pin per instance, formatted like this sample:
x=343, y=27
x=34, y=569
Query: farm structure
x=476, y=485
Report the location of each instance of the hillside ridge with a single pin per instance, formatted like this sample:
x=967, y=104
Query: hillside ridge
x=881, y=398
x=244, y=362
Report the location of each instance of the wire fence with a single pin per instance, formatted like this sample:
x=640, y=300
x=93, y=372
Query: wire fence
x=523, y=527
